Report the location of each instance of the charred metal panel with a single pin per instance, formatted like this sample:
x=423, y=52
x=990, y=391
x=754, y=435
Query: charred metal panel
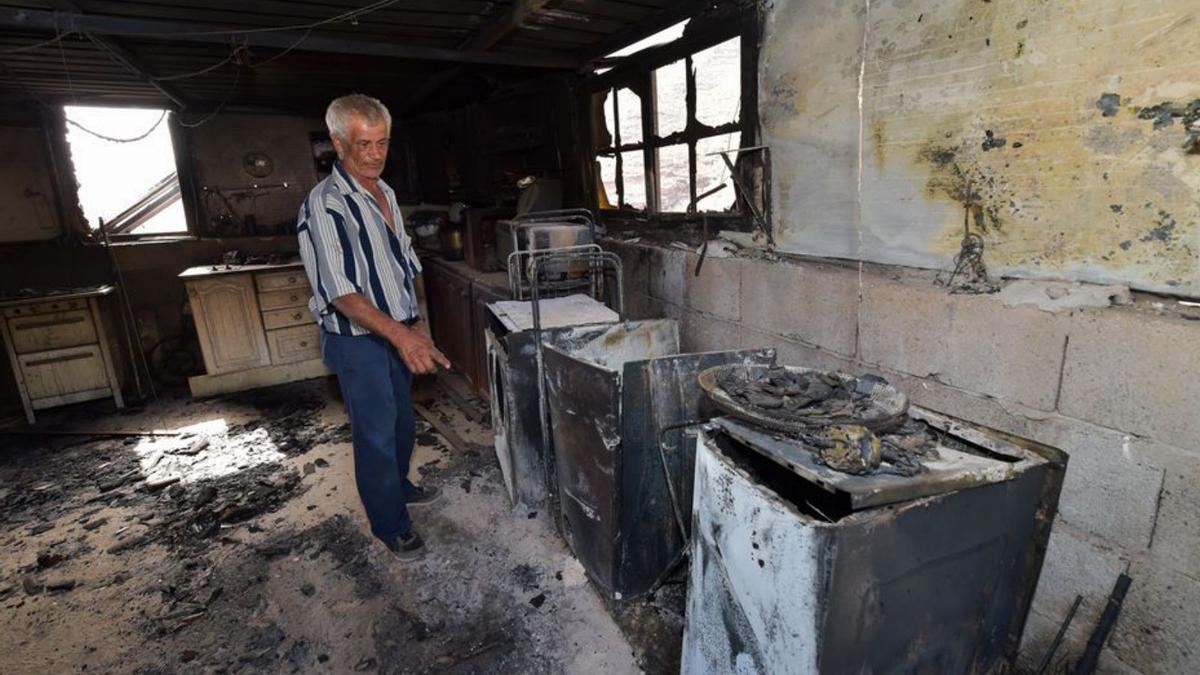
x=585, y=404
x=757, y=569
x=659, y=393
x=611, y=392
x=935, y=584
x=527, y=467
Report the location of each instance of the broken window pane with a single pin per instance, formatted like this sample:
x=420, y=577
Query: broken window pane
x=662, y=37
x=610, y=121
x=634, y=173
x=607, y=172
x=673, y=178
x=602, y=120
x=629, y=110
x=670, y=84
x=718, y=83
x=711, y=172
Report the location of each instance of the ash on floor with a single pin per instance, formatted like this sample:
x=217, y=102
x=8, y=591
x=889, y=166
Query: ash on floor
x=241, y=547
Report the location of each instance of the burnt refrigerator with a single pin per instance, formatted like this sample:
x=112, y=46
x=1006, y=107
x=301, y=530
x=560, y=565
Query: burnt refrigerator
x=513, y=386
x=798, y=568
x=619, y=396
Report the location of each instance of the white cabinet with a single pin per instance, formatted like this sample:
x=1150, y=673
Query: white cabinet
x=228, y=323
x=254, y=327
x=58, y=350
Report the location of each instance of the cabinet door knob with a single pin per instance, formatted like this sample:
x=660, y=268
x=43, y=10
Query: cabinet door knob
x=291, y=280
x=297, y=316
x=304, y=343
x=295, y=298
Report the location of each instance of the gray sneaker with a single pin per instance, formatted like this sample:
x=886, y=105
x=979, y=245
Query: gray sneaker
x=407, y=548
x=424, y=496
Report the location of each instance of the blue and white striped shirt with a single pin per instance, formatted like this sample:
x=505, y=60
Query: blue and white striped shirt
x=347, y=247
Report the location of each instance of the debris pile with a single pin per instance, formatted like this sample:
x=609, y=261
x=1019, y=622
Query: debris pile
x=804, y=397
x=855, y=425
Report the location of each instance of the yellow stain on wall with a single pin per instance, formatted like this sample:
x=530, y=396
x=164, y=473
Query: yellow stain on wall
x=1058, y=131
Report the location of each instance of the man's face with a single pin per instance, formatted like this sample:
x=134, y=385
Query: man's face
x=364, y=152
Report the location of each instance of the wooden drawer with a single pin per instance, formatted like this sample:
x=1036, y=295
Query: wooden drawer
x=63, y=372
x=299, y=343
x=46, y=307
x=274, y=281
x=283, y=318
x=40, y=332
x=291, y=297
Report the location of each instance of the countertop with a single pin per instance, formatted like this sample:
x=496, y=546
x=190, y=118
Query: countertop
x=57, y=294
x=493, y=280
x=217, y=270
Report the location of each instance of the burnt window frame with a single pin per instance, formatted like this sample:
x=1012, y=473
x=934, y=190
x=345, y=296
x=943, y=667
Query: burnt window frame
x=636, y=72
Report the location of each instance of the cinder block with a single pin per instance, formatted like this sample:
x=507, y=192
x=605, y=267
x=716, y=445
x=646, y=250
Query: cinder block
x=1110, y=490
x=1075, y=566
x=636, y=262
x=718, y=288
x=666, y=274
x=706, y=333
x=1134, y=370
x=971, y=406
x=816, y=304
x=791, y=353
x=639, y=305
x=968, y=341
x=661, y=309
x=1157, y=629
x=1177, y=530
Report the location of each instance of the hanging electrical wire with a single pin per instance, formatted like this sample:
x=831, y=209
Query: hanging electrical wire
x=112, y=139
x=203, y=71
x=220, y=106
x=351, y=15
x=63, y=55
x=45, y=43
x=285, y=52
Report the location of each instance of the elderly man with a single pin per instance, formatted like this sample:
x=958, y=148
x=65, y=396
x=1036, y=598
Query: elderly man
x=363, y=271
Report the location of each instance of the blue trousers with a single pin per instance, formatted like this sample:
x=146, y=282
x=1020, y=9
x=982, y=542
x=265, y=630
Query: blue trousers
x=377, y=389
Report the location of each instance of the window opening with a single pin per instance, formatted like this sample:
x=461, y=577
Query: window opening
x=670, y=88
x=125, y=167
x=718, y=83
x=683, y=107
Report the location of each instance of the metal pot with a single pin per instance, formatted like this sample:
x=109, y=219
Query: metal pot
x=452, y=242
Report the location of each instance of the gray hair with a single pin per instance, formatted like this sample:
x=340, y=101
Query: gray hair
x=343, y=110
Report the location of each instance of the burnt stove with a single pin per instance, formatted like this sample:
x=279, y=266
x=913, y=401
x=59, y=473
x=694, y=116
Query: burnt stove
x=799, y=567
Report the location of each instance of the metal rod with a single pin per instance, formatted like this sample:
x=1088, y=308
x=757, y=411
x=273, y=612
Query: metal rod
x=1091, y=655
x=1058, y=638
x=129, y=322
x=745, y=194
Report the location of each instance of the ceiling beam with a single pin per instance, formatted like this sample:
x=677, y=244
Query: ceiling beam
x=129, y=61
x=187, y=31
x=134, y=65
x=503, y=24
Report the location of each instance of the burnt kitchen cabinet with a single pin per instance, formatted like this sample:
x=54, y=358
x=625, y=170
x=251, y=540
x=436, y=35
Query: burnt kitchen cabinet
x=457, y=299
x=449, y=298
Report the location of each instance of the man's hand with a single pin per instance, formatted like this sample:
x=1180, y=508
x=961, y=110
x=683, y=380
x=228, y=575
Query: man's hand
x=417, y=350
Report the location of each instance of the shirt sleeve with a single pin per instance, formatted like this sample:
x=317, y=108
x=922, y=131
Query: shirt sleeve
x=324, y=248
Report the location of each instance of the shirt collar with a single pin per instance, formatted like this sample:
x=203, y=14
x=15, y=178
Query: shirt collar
x=349, y=184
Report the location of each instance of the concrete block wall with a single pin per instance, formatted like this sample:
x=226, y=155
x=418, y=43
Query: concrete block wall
x=1115, y=388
